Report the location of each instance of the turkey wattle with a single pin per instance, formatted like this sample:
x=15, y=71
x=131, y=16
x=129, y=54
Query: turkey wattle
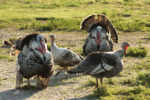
x=100, y=65
x=34, y=59
x=63, y=56
x=101, y=33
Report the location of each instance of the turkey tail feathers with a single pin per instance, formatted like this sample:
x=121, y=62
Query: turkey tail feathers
x=102, y=20
x=75, y=70
x=7, y=43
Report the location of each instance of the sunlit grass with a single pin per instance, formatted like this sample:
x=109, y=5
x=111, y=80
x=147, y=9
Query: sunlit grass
x=137, y=51
x=126, y=15
x=6, y=57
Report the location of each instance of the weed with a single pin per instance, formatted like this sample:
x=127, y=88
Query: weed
x=102, y=91
x=137, y=51
x=135, y=90
x=130, y=81
x=110, y=81
x=144, y=78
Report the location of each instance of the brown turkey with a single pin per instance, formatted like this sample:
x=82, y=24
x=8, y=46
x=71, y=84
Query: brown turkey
x=34, y=60
x=101, y=33
x=100, y=65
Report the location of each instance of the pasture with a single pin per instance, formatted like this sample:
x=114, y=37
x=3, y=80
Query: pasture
x=131, y=18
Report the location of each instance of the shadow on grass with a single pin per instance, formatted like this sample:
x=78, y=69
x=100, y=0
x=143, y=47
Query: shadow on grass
x=18, y=94
x=60, y=80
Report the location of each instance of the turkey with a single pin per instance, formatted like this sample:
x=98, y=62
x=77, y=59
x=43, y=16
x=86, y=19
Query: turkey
x=34, y=60
x=100, y=65
x=63, y=56
x=101, y=33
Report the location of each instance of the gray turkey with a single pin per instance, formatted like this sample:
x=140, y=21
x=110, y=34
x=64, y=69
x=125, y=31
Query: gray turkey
x=63, y=56
x=101, y=33
x=100, y=65
x=34, y=60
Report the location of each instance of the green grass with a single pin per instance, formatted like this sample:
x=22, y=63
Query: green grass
x=53, y=23
x=144, y=78
x=66, y=15
x=137, y=51
x=6, y=57
x=102, y=91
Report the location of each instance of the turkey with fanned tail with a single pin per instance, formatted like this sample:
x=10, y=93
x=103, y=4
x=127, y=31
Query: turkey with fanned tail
x=100, y=65
x=101, y=34
x=34, y=60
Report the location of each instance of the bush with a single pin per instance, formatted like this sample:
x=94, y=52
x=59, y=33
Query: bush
x=137, y=52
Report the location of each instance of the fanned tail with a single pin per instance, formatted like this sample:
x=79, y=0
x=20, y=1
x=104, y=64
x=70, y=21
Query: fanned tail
x=101, y=20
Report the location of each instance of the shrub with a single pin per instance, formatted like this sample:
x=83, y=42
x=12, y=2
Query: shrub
x=137, y=52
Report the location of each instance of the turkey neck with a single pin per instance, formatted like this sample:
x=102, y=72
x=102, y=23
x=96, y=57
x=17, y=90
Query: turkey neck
x=53, y=45
x=120, y=53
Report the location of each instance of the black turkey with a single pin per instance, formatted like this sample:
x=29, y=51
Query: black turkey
x=101, y=33
x=34, y=60
x=100, y=65
x=63, y=56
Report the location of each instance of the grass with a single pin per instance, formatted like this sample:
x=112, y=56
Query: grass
x=66, y=15
x=6, y=57
x=144, y=79
x=137, y=51
x=53, y=23
x=133, y=84
x=102, y=91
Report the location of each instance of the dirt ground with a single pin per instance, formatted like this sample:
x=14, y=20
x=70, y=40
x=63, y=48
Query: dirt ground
x=60, y=87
